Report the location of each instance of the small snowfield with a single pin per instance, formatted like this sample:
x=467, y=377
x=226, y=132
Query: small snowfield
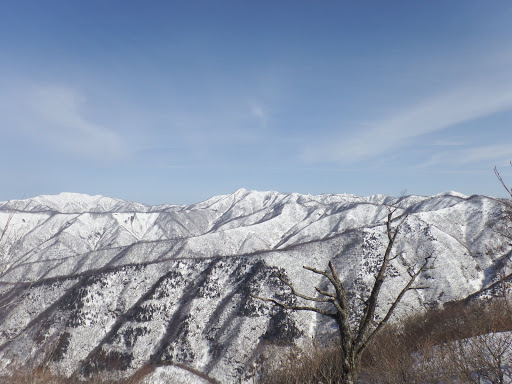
x=174, y=375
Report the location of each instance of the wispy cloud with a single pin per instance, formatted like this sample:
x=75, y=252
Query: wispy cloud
x=56, y=116
x=450, y=142
x=258, y=112
x=493, y=154
x=229, y=121
x=438, y=113
x=61, y=108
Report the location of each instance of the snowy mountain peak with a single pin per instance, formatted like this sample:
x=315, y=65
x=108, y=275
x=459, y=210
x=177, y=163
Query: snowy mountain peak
x=241, y=192
x=452, y=193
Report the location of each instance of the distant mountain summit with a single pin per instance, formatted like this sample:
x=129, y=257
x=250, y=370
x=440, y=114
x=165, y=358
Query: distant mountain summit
x=92, y=283
x=72, y=203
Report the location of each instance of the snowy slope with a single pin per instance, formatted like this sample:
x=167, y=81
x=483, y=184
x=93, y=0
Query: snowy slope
x=96, y=283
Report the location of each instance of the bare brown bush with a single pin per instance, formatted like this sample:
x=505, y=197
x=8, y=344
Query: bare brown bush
x=462, y=343
x=311, y=364
x=40, y=375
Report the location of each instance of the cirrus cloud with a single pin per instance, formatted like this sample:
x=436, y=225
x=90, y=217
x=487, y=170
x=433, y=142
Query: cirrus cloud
x=438, y=113
x=56, y=116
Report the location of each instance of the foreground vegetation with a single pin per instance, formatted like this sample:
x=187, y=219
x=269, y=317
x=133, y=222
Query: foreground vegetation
x=44, y=376
x=463, y=343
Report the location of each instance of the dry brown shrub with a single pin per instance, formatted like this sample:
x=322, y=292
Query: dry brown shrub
x=44, y=376
x=461, y=343
x=311, y=364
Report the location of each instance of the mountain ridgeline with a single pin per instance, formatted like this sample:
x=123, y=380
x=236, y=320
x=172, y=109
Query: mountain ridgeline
x=93, y=284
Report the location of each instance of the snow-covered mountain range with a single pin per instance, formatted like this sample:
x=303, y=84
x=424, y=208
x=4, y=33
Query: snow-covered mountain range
x=91, y=283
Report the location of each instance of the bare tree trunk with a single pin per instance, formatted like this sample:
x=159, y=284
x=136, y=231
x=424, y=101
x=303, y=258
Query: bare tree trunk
x=351, y=369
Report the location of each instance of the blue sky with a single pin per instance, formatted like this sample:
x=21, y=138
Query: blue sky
x=174, y=102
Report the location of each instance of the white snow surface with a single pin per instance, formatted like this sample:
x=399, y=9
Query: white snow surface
x=173, y=375
x=101, y=284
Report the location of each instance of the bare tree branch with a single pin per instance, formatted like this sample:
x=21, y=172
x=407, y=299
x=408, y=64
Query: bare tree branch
x=408, y=287
x=501, y=180
x=295, y=307
x=325, y=293
x=396, y=256
x=371, y=303
x=302, y=296
x=323, y=273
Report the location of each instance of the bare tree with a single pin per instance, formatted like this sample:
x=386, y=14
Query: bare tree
x=354, y=340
